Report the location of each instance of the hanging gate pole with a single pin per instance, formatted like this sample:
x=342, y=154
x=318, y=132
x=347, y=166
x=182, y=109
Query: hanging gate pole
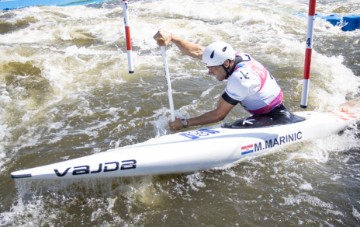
x=309, y=43
x=128, y=37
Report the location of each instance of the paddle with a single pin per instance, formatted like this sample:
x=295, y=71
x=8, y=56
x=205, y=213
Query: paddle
x=167, y=75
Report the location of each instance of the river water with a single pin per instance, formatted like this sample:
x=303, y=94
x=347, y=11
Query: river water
x=65, y=92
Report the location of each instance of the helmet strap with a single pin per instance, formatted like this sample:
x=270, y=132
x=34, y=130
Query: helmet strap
x=228, y=71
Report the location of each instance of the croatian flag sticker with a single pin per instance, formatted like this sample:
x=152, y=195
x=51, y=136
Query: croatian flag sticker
x=247, y=149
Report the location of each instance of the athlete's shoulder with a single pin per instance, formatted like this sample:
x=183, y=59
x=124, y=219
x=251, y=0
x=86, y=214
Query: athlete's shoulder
x=245, y=56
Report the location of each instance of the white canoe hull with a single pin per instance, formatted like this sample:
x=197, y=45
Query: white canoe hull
x=194, y=150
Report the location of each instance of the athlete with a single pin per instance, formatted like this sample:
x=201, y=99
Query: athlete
x=249, y=84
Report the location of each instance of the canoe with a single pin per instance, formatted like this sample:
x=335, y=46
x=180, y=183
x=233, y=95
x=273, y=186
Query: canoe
x=198, y=149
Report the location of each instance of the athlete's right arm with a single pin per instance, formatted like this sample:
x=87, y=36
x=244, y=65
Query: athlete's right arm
x=219, y=113
x=194, y=50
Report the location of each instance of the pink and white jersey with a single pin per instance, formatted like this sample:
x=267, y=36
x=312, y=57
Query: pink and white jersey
x=253, y=86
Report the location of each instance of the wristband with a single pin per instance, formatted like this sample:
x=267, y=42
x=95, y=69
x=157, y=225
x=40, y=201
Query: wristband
x=184, y=123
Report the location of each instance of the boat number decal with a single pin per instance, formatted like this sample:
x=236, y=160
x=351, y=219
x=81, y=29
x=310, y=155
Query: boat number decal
x=100, y=168
x=270, y=143
x=199, y=133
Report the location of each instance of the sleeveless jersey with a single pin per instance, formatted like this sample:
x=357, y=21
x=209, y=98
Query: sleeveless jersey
x=253, y=87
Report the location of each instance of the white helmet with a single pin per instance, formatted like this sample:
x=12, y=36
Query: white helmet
x=217, y=53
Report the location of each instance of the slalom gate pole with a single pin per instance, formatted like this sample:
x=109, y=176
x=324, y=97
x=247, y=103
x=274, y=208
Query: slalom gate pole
x=167, y=74
x=128, y=37
x=308, y=51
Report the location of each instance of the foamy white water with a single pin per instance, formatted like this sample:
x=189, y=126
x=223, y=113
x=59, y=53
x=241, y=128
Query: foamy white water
x=65, y=92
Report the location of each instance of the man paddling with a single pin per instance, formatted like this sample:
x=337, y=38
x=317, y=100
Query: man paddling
x=249, y=84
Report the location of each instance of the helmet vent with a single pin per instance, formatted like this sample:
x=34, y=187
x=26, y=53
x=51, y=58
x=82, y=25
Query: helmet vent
x=212, y=54
x=224, y=49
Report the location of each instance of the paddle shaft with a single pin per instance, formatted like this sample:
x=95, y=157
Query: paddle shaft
x=167, y=75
